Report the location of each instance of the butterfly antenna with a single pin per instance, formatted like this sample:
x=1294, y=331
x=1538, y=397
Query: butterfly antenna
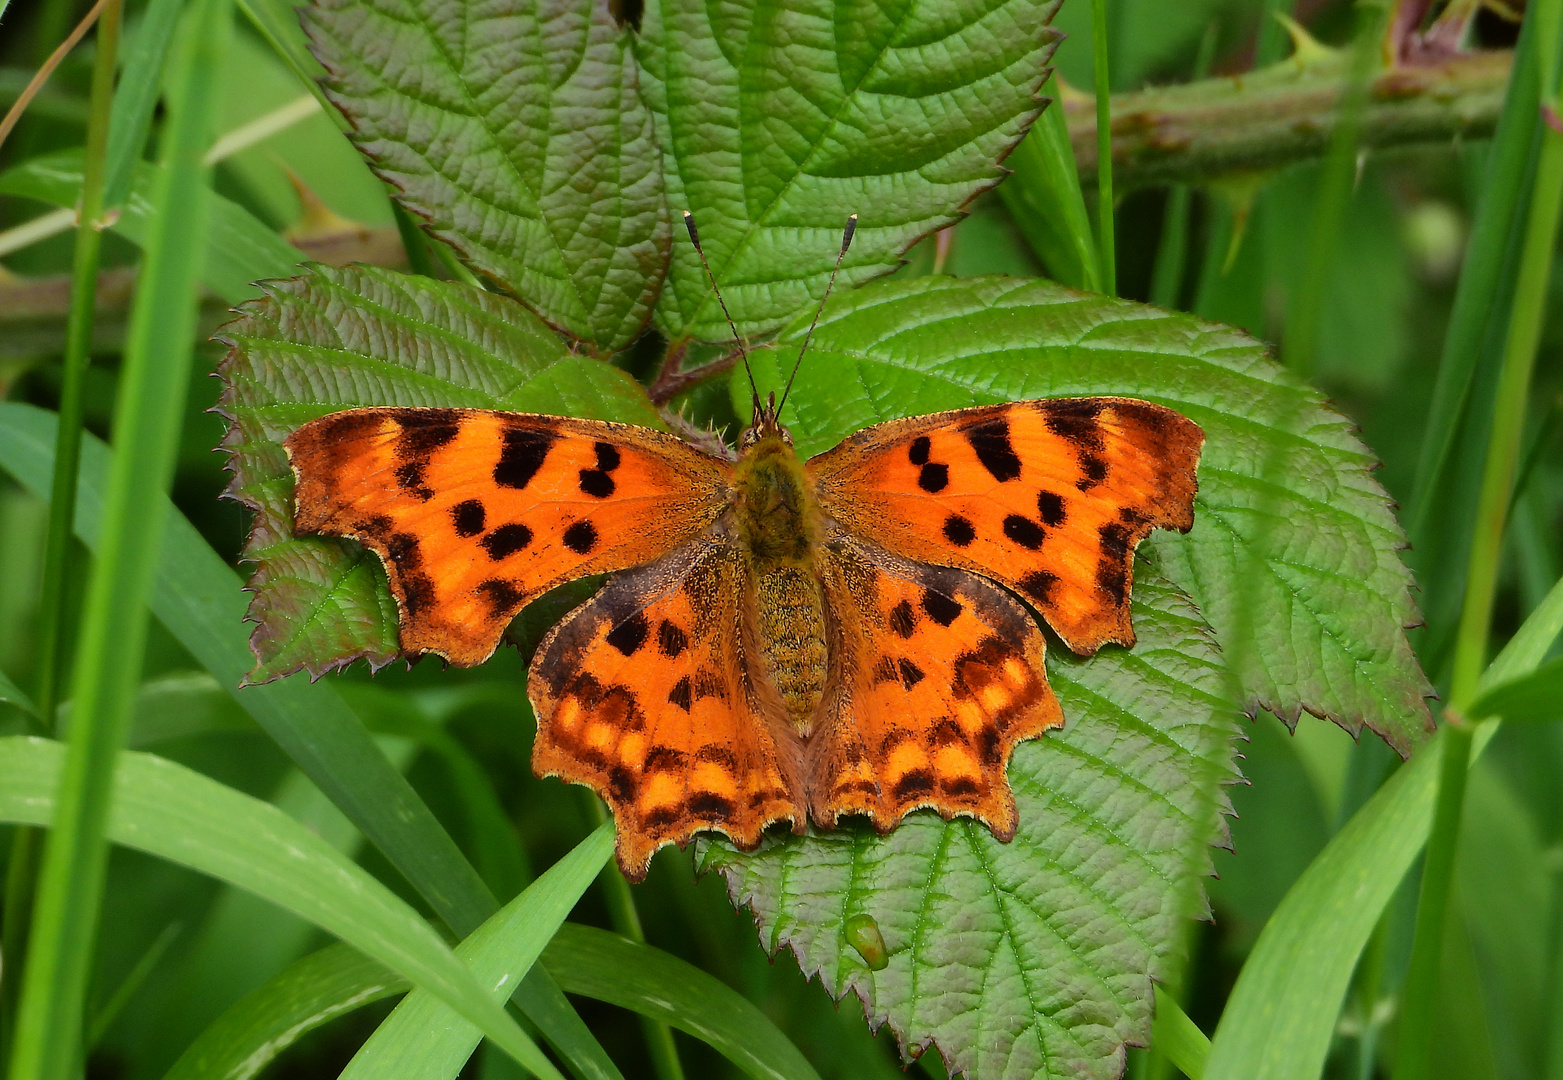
x=846, y=242
x=743, y=352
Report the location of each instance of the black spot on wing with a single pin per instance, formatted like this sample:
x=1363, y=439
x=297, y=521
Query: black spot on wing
x=917, y=453
x=709, y=806
x=1039, y=586
x=681, y=694
x=910, y=673
x=917, y=784
x=503, y=596
x=947, y=732
x=581, y=537
x=409, y=476
x=522, y=453
x=940, y=608
x=1023, y=531
x=886, y=671
x=629, y=635
x=1075, y=422
x=1094, y=470
x=422, y=433
x=959, y=531
x=402, y=549
x=990, y=441
x=469, y=517
x=1050, y=506
x=902, y=619
x=596, y=483
x=622, y=784
x=506, y=540
x=934, y=478
x=607, y=456
x=959, y=786
x=417, y=592
x=671, y=640
x=666, y=759
x=1112, y=571
x=375, y=527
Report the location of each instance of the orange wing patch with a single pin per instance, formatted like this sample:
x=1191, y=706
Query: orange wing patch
x=644, y=695
x=941, y=674
x=1049, y=498
x=475, y=513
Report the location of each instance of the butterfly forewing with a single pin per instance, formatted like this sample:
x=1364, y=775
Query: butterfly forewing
x=645, y=694
x=475, y=512
x=1049, y=498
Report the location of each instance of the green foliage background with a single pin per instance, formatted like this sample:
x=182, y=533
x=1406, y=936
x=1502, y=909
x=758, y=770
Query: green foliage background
x=179, y=945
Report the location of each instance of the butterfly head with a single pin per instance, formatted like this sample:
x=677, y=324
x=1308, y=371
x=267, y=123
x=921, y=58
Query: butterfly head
x=765, y=425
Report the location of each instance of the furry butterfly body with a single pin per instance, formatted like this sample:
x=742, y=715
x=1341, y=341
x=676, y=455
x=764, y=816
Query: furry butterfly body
x=782, y=640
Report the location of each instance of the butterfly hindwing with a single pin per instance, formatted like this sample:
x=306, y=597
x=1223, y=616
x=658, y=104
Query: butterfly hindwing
x=644, y=694
x=940, y=674
x=1049, y=498
x=475, y=513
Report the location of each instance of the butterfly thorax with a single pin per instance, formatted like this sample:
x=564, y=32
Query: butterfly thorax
x=780, y=527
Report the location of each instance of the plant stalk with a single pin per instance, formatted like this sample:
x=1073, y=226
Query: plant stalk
x=147, y=419
x=1106, y=243
x=1336, y=181
x=22, y=871
x=625, y=918
x=1471, y=646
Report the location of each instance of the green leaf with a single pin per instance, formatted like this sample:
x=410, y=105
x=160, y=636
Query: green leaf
x=239, y=248
x=1281, y=1016
x=777, y=121
x=339, y=339
x=1537, y=696
x=1316, y=560
x=597, y=964
x=423, y=1037
x=1044, y=198
x=169, y=811
x=1033, y=957
x=519, y=137
x=310, y=992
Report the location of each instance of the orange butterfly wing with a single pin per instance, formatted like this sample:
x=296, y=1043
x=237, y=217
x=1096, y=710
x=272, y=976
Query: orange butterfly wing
x=940, y=675
x=1050, y=498
x=475, y=513
x=644, y=694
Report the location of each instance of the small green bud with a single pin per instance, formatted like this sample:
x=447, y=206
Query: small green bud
x=862, y=933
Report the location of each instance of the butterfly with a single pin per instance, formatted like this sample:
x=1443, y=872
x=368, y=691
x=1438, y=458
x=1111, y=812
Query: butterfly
x=781, y=640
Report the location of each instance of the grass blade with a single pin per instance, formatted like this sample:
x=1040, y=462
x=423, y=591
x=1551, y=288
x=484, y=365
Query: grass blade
x=108, y=666
x=1476, y=302
x=135, y=99
x=1537, y=697
x=607, y=967
x=1337, y=178
x=1044, y=198
x=1492, y=515
x=1106, y=243
x=423, y=1037
x=1281, y=1016
x=176, y=814
x=1177, y=1038
x=310, y=992
x=201, y=600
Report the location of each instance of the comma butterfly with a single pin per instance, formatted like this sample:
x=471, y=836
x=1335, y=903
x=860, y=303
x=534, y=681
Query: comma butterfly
x=783, y=640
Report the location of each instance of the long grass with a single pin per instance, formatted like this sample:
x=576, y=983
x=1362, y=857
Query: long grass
x=113, y=636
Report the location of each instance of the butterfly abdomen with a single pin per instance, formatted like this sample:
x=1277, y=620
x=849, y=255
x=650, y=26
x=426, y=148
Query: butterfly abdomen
x=791, y=623
x=779, y=525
